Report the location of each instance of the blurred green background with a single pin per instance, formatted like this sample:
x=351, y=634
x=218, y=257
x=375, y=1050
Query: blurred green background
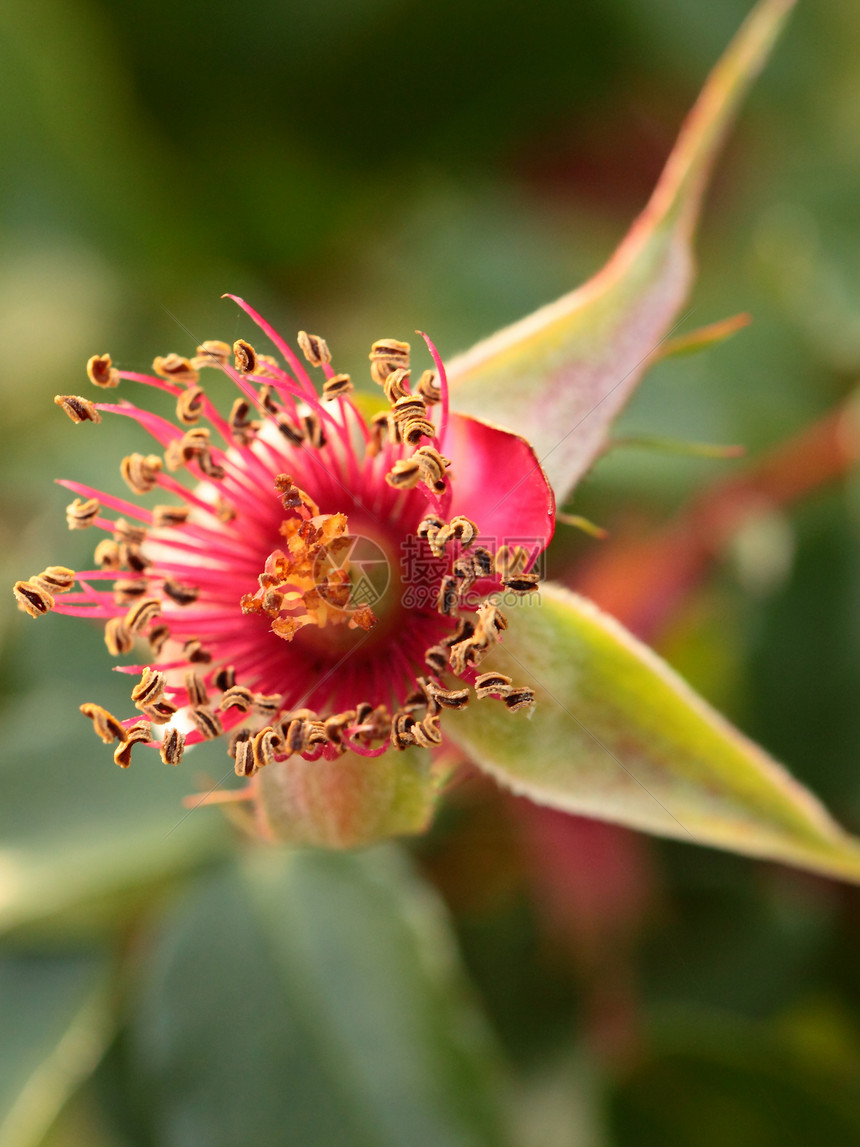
x=362, y=168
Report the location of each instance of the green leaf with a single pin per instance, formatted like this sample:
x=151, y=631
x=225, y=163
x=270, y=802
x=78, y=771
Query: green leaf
x=56, y=1027
x=561, y=376
x=619, y=736
x=311, y=998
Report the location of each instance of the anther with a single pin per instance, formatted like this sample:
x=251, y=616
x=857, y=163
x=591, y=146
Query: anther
x=236, y=697
x=264, y=747
x=165, y=517
x=408, y=407
x=468, y=654
x=81, y=514
x=172, y=747
x=520, y=698
x=482, y=560
x=150, y=687
x=268, y=360
x=225, y=511
x=492, y=685
x=189, y=405
x=157, y=637
x=194, y=652
x=244, y=755
x=314, y=348
x=140, y=731
x=436, y=658
x=108, y=727
x=242, y=427
x=387, y=355
x=107, y=555
x=429, y=527
x=313, y=430
x=141, y=614
x=291, y=496
x=245, y=357
x=265, y=398
x=225, y=678
x=295, y=735
x=124, y=531
x=181, y=594
x=521, y=583
x=428, y=387
x=128, y=590
x=208, y=723
x=140, y=472
x=118, y=639
x=401, y=730
x=131, y=556
x=175, y=368
x=433, y=466
x=449, y=595
x=267, y=705
x=491, y=620
x=459, y=529
x=335, y=725
x=378, y=431
x=338, y=386
x=54, y=579
x=404, y=474
x=237, y=737
x=427, y=732
x=213, y=353
x=198, y=695
x=78, y=409
x=210, y=467
x=395, y=388
x=464, y=568
x=159, y=712
x=465, y=628
x=101, y=372
x=290, y=431
x=447, y=698
x=414, y=429
x=511, y=560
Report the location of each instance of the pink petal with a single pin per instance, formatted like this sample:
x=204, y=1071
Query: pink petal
x=498, y=482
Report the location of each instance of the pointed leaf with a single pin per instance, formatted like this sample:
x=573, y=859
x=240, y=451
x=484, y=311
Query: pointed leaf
x=311, y=998
x=617, y=735
x=561, y=376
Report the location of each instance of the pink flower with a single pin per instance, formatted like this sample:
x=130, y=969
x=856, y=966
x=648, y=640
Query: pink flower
x=314, y=589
